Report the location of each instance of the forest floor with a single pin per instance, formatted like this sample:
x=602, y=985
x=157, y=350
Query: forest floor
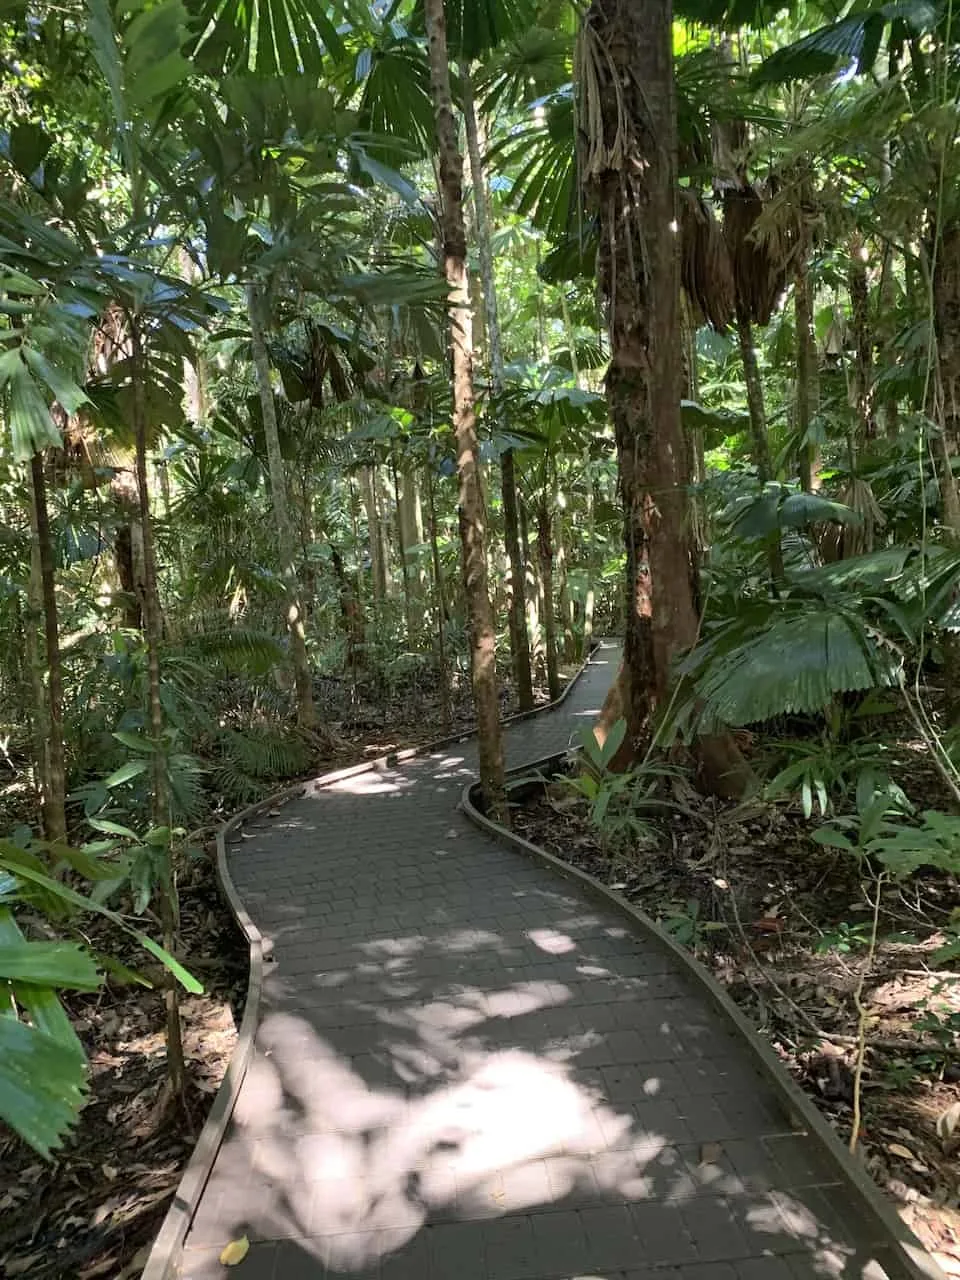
x=95, y=1210
x=785, y=925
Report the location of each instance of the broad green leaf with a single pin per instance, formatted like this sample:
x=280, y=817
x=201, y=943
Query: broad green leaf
x=613, y=741
x=66, y=894
x=111, y=828
x=51, y=964
x=41, y=1005
x=832, y=839
x=31, y=426
x=64, y=389
x=42, y=1084
x=29, y=144
x=132, y=769
x=135, y=741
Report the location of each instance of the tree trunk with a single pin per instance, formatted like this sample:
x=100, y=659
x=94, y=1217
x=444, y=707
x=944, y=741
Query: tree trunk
x=446, y=711
x=519, y=642
x=472, y=514
x=545, y=552
x=306, y=715
x=408, y=617
x=531, y=589
x=152, y=634
x=52, y=769
x=946, y=303
x=411, y=530
x=759, y=441
x=860, y=309
x=630, y=170
x=809, y=456
x=378, y=567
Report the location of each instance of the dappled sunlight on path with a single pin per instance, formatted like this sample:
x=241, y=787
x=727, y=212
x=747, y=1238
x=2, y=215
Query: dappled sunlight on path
x=466, y=1069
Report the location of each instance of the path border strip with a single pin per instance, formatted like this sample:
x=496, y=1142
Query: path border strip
x=910, y=1253
x=168, y=1243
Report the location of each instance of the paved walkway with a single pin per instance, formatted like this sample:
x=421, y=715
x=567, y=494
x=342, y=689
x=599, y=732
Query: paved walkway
x=467, y=1070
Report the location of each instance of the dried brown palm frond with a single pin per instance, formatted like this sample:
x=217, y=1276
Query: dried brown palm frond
x=762, y=252
x=706, y=269
x=842, y=541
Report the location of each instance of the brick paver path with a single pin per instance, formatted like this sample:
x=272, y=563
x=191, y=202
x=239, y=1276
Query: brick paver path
x=467, y=1070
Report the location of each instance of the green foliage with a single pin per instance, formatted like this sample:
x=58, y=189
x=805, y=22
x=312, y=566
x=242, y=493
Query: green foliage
x=43, y=1068
x=825, y=773
x=886, y=830
x=619, y=805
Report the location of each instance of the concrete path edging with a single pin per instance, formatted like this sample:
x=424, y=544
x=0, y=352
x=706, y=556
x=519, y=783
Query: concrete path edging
x=168, y=1244
x=802, y=1113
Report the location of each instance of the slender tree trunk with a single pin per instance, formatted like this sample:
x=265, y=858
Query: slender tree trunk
x=472, y=515
x=411, y=529
x=446, y=710
x=860, y=310
x=306, y=715
x=888, y=408
x=378, y=569
x=52, y=769
x=946, y=304
x=809, y=457
x=408, y=620
x=152, y=634
x=519, y=643
x=630, y=173
x=545, y=551
x=759, y=441
x=531, y=589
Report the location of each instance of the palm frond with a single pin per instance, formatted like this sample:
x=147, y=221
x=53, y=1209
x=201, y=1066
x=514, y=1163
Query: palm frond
x=780, y=660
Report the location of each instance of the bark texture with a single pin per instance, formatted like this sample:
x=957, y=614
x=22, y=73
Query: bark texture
x=629, y=165
x=472, y=514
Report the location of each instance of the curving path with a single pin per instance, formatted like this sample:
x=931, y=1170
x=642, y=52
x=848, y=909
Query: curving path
x=467, y=1070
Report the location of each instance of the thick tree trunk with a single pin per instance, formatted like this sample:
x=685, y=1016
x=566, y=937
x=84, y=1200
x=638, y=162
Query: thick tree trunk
x=472, y=515
x=303, y=679
x=631, y=176
x=152, y=634
x=519, y=643
x=52, y=769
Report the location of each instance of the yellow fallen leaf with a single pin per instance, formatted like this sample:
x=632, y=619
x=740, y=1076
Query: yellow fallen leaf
x=235, y=1252
x=904, y=1153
